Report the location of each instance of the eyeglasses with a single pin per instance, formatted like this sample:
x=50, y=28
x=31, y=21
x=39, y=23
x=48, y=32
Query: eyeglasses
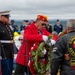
x=43, y=24
x=20, y=39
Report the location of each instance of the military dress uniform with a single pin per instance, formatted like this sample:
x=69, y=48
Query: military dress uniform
x=6, y=40
x=58, y=28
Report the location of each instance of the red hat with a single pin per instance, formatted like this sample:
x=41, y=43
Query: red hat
x=42, y=17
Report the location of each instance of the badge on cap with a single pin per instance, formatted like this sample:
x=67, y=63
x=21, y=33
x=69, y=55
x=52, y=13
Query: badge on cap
x=42, y=17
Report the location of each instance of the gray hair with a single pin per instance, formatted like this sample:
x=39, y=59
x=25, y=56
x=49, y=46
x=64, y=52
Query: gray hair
x=54, y=33
x=71, y=24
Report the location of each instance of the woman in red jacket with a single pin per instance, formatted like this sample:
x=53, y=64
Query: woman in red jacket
x=33, y=33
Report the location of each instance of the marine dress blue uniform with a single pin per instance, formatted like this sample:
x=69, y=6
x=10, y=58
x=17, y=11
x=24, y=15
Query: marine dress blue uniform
x=6, y=47
x=6, y=37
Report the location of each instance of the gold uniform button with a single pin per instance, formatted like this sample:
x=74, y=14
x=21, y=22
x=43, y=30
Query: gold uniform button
x=8, y=30
x=10, y=33
x=3, y=31
x=10, y=37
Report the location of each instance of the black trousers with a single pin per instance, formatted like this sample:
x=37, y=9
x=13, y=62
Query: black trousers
x=20, y=70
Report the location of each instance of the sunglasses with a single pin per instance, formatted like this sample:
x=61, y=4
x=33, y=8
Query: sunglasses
x=20, y=39
x=43, y=24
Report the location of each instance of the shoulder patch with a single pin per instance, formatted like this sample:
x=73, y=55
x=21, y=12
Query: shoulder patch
x=71, y=46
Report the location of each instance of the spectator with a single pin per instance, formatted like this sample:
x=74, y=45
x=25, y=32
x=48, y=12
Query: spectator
x=18, y=39
x=13, y=26
x=49, y=28
x=25, y=23
x=58, y=27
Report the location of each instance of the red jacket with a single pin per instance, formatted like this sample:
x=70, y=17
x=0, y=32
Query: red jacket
x=31, y=36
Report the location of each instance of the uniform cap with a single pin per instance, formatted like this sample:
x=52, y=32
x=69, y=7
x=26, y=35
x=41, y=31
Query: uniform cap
x=25, y=21
x=42, y=17
x=5, y=13
x=12, y=21
x=57, y=20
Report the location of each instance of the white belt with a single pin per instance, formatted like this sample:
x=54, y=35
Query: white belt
x=0, y=57
x=6, y=41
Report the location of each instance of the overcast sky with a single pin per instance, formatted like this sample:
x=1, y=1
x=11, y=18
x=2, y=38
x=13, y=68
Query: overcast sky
x=29, y=9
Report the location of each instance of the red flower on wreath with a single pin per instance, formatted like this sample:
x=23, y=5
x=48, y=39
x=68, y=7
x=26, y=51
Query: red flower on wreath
x=30, y=55
x=30, y=64
x=44, y=62
x=34, y=47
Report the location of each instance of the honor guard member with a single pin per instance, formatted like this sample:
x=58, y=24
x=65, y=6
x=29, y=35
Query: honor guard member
x=58, y=27
x=63, y=54
x=6, y=40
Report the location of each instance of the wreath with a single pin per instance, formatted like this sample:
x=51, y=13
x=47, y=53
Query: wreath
x=40, y=56
x=39, y=62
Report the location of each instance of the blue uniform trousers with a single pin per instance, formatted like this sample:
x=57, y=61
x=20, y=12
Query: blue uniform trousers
x=7, y=66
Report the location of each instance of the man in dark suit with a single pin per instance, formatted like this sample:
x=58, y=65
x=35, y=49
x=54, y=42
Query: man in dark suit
x=6, y=40
x=25, y=23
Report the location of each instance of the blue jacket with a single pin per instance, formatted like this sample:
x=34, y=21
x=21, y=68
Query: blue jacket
x=58, y=28
x=22, y=27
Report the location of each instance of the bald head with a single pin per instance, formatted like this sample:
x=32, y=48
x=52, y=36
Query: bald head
x=71, y=25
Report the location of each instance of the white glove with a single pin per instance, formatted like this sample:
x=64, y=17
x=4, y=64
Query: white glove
x=44, y=51
x=45, y=38
x=53, y=41
x=49, y=44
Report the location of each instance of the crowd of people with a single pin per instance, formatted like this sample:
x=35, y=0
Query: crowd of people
x=15, y=42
